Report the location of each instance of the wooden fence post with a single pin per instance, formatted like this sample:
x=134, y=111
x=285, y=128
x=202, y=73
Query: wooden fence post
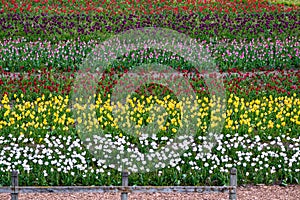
x=233, y=182
x=14, y=183
x=124, y=195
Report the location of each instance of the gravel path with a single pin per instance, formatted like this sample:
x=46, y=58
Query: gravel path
x=291, y=192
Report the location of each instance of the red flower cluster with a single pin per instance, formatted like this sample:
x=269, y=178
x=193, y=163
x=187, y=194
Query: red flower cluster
x=144, y=7
x=34, y=83
x=46, y=81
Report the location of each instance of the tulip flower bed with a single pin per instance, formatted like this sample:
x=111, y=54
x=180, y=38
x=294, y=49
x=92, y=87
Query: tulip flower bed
x=255, y=45
x=260, y=134
x=55, y=27
x=271, y=53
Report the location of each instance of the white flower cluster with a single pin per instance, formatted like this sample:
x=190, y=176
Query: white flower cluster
x=66, y=154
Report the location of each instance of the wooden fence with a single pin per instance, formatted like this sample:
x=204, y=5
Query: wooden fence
x=15, y=189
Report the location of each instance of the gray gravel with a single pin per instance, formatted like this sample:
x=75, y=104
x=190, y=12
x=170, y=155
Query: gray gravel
x=291, y=192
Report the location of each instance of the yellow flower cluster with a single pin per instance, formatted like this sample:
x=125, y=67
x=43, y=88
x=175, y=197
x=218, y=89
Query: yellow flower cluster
x=39, y=114
x=261, y=114
x=139, y=111
x=167, y=113
x=54, y=113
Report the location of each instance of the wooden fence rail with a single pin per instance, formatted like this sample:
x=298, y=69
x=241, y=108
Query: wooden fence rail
x=15, y=189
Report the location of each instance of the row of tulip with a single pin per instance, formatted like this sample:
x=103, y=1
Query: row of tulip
x=268, y=115
x=21, y=54
x=198, y=25
x=144, y=7
x=34, y=83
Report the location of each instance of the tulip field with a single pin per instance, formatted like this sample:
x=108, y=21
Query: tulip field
x=256, y=48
